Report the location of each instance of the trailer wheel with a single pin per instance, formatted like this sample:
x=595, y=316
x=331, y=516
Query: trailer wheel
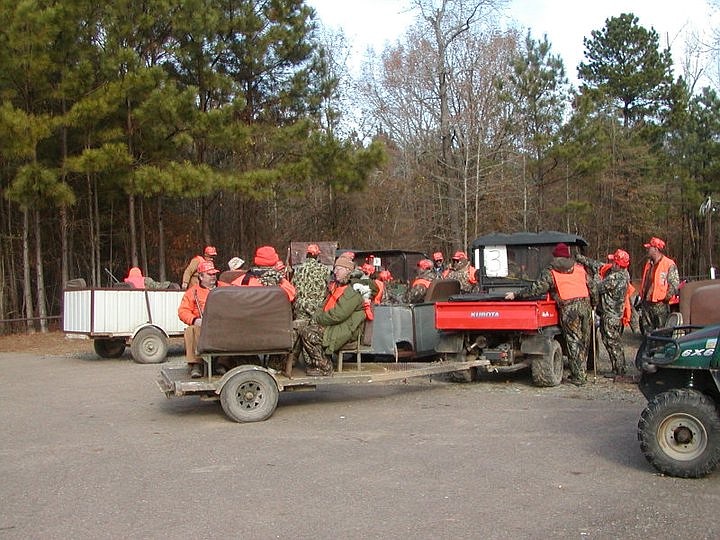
x=249, y=396
x=679, y=433
x=149, y=346
x=547, y=369
x=109, y=347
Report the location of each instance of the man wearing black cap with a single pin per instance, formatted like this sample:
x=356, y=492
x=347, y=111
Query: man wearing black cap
x=570, y=286
x=660, y=282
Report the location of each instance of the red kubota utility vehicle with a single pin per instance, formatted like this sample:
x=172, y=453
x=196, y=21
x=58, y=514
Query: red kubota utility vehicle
x=512, y=335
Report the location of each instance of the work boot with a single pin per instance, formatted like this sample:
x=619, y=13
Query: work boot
x=196, y=371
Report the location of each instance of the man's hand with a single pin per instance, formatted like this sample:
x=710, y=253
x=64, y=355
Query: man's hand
x=510, y=296
x=197, y=322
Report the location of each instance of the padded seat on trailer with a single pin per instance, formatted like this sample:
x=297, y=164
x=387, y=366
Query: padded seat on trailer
x=440, y=290
x=246, y=320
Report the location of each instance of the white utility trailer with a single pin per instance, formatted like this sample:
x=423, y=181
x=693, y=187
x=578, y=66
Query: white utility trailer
x=115, y=317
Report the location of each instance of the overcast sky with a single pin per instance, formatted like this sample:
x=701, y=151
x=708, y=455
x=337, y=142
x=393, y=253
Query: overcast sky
x=373, y=23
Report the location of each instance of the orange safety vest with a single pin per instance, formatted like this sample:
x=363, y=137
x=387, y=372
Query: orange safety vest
x=660, y=284
x=572, y=285
x=248, y=280
x=381, y=289
x=334, y=296
x=627, y=304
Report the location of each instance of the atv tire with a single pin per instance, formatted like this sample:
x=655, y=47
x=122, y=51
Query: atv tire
x=679, y=433
x=547, y=369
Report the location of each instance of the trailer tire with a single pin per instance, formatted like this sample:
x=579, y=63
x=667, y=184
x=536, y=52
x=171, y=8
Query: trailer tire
x=249, y=396
x=547, y=369
x=109, y=347
x=149, y=346
x=679, y=433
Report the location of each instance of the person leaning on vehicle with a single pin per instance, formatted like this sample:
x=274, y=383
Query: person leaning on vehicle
x=569, y=285
x=660, y=282
x=419, y=287
x=190, y=275
x=192, y=307
x=613, y=281
x=340, y=320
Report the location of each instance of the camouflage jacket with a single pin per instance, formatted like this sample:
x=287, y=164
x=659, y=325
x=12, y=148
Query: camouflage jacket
x=311, y=283
x=461, y=272
x=416, y=294
x=611, y=289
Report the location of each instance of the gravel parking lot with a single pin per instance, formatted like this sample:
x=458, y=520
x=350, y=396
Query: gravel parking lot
x=92, y=449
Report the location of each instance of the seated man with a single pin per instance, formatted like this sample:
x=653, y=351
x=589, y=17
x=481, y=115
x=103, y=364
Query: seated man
x=419, y=287
x=267, y=271
x=340, y=320
x=191, y=311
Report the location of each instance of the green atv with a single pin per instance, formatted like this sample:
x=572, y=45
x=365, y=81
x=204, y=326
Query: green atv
x=679, y=430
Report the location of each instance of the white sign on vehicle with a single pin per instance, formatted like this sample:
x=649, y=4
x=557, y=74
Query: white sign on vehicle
x=495, y=261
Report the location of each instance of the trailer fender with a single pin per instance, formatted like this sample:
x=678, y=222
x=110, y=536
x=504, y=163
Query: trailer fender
x=148, y=325
x=450, y=342
x=246, y=367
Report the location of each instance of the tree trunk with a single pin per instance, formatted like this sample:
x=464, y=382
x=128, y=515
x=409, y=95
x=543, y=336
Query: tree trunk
x=40, y=285
x=133, y=231
x=27, y=287
x=143, y=240
x=161, y=240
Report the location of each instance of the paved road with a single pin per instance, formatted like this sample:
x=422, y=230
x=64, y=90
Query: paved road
x=91, y=449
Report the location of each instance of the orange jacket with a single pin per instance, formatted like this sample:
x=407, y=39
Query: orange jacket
x=192, y=304
x=659, y=286
x=135, y=278
x=572, y=285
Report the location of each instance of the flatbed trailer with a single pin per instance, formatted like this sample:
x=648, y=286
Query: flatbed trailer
x=249, y=325
x=249, y=393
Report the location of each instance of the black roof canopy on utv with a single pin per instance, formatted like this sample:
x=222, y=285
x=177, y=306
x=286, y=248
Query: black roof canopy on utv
x=511, y=261
x=528, y=239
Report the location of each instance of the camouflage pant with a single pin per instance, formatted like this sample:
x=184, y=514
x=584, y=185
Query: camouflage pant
x=653, y=315
x=610, y=328
x=312, y=345
x=576, y=323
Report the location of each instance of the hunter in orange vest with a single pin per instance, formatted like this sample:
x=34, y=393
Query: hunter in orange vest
x=614, y=306
x=267, y=271
x=419, y=286
x=461, y=270
x=660, y=284
x=567, y=283
x=192, y=307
